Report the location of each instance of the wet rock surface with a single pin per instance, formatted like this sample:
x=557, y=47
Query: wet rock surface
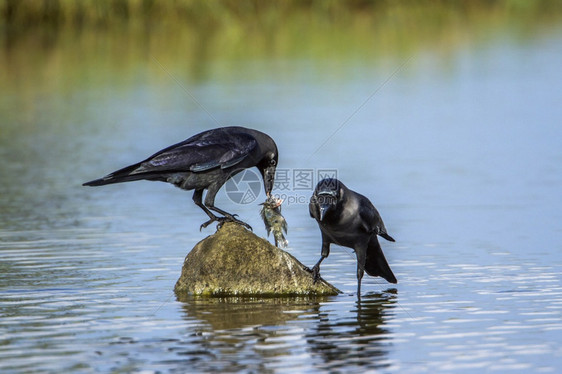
x=234, y=261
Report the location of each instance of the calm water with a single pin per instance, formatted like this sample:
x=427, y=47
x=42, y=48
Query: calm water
x=460, y=150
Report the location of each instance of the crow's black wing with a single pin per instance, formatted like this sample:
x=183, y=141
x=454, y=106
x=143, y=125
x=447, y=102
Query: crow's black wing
x=223, y=147
x=371, y=219
x=201, y=152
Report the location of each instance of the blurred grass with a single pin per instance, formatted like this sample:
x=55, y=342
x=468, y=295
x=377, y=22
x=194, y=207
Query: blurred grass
x=61, y=45
x=17, y=15
x=285, y=27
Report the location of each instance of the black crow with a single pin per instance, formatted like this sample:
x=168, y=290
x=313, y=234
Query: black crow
x=349, y=219
x=205, y=162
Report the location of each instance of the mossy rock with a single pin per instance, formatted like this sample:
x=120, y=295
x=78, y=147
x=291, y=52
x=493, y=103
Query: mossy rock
x=234, y=261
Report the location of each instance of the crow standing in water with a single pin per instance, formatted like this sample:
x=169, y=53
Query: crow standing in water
x=205, y=162
x=349, y=219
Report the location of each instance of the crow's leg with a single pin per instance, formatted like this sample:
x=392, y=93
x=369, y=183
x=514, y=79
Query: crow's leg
x=198, y=200
x=210, y=204
x=325, y=253
x=361, y=252
x=359, y=277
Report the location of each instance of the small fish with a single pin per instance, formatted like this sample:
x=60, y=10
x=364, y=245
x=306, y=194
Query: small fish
x=274, y=221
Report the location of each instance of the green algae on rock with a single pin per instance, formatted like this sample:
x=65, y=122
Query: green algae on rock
x=234, y=261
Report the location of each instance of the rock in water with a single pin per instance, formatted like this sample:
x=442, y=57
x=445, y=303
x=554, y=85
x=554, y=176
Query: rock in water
x=234, y=261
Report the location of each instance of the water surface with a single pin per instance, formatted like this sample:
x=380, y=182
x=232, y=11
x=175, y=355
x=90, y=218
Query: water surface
x=459, y=147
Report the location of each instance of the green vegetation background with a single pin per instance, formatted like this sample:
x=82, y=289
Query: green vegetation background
x=51, y=46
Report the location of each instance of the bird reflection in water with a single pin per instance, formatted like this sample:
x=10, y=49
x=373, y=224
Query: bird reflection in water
x=335, y=331
x=363, y=340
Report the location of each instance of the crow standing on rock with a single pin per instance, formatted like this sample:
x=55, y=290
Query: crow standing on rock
x=349, y=219
x=205, y=162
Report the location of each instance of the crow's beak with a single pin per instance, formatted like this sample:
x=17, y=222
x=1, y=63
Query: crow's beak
x=325, y=201
x=323, y=211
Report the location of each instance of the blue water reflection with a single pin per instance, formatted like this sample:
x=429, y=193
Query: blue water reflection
x=461, y=154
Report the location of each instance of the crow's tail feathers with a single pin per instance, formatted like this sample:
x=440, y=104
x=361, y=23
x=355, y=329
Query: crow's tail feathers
x=387, y=237
x=376, y=264
x=119, y=176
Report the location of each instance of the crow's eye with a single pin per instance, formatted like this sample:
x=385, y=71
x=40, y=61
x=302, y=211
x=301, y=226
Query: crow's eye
x=272, y=162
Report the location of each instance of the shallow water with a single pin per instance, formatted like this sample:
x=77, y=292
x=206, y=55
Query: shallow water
x=462, y=155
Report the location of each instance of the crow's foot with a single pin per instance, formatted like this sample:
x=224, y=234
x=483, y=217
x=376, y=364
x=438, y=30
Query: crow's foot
x=205, y=224
x=316, y=273
x=222, y=220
